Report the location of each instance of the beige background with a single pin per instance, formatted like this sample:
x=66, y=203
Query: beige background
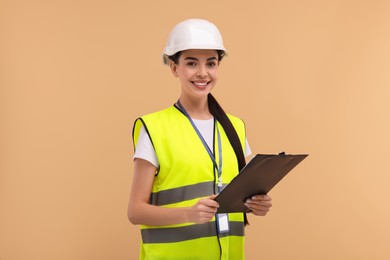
x=306, y=76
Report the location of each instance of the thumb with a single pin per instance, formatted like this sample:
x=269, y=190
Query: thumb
x=212, y=196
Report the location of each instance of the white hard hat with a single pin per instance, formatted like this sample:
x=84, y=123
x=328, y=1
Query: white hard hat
x=193, y=34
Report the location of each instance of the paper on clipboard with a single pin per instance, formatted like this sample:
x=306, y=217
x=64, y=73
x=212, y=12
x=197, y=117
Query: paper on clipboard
x=259, y=176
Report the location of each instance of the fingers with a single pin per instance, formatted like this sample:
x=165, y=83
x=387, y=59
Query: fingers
x=209, y=201
x=264, y=197
x=204, y=210
x=207, y=205
x=259, y=204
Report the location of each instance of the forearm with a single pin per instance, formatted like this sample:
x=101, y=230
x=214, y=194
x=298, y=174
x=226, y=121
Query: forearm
x=146, y=214
x=141, y=212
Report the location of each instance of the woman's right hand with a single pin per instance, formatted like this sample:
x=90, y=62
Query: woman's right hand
x=204, y=210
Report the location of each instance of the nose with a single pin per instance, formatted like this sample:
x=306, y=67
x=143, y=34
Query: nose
x=202, y=71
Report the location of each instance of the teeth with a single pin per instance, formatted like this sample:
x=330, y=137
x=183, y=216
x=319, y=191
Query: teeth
x=200, y=83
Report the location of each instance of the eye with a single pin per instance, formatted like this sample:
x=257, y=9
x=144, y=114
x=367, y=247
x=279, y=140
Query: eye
x=191, y=63
x=212, y=64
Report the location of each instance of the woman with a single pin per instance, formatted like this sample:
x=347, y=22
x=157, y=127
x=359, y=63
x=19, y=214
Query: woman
x=185, y=155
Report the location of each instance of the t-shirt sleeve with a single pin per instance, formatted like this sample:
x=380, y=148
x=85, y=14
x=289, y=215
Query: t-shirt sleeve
x=144, y=148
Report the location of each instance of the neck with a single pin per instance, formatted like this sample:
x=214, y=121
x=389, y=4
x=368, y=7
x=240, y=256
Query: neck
x=197, y=109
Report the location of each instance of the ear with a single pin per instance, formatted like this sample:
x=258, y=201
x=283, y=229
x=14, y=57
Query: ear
x=173, y=67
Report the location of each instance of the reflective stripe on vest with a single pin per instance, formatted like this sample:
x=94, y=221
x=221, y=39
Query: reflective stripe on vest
x=179, y=194
x=178, y=234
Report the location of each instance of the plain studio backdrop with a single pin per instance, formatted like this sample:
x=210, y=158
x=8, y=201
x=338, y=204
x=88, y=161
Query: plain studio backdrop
x=306, y=76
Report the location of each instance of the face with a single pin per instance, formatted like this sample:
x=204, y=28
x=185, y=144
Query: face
x=197, y=71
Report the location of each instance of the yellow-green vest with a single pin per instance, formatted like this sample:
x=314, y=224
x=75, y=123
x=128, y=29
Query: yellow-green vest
x=186, y=173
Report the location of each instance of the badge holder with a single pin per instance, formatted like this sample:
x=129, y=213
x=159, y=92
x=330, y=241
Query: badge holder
x=222, y=223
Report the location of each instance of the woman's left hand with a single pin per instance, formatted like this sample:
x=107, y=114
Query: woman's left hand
x=259, y=204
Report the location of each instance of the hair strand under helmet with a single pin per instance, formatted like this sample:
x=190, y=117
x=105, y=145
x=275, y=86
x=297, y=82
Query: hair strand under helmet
x=193, y=34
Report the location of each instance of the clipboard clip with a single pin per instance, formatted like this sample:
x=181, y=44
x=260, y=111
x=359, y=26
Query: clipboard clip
x=284, y=154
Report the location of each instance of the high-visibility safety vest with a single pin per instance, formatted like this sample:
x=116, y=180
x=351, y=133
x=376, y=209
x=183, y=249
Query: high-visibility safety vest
x=185, y=175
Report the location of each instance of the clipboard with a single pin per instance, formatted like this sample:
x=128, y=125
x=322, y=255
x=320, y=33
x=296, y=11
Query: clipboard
x=258, y=176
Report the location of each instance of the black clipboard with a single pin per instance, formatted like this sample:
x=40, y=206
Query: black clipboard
x=259, y=176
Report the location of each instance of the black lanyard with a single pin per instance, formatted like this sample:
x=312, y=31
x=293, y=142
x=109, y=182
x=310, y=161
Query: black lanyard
x=212, y=157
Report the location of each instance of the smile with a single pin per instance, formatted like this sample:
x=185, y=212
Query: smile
x=200, y=84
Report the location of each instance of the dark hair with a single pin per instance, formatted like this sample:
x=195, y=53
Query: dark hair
x=219, y=114
x=175, y=57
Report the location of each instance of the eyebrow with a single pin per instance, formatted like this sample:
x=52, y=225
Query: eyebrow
x=192, y=58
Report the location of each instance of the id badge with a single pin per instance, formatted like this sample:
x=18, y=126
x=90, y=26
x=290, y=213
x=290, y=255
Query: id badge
x=222, y=223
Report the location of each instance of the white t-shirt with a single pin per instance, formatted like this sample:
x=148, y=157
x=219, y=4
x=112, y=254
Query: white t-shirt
x=145, y=150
